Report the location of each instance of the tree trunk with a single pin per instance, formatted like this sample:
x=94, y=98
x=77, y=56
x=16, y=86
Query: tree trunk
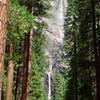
x=74, y=66
x=17, y=90
x=10, y=75
x=25, y=67
x=29, y=64
x=3, y=29
x=75, y=70
x=95, y=51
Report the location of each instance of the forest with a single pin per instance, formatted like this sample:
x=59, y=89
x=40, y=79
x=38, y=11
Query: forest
x=49, y=49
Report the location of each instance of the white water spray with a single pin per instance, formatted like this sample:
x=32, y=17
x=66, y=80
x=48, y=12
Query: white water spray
x=54, y=37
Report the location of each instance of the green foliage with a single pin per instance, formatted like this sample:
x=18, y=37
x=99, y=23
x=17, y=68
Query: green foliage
x=78, y=25
x=38, y=67
x=69, y=85
x=20, y=22
x=41, y=7
x=38, y=60
x=59, y=88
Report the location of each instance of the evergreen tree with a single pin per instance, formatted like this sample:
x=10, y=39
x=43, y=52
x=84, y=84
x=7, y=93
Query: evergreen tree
x=18, y=24
x=59, y=86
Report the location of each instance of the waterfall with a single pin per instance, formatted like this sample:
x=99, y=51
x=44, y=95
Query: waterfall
x=54, y=37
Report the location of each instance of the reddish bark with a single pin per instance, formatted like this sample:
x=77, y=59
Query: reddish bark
x=29, y=64
x=25, y=67
x=3, y=29
x=10, y=75
x=27, y=61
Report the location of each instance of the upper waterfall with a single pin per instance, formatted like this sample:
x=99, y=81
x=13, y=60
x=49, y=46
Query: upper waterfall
x=55, y=31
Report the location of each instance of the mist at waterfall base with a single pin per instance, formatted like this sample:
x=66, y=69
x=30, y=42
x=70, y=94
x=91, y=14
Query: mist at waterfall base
x=54, y=42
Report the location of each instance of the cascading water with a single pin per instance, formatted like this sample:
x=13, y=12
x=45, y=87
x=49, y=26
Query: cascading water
x=54, y=37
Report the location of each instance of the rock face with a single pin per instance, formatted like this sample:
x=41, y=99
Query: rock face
x=55, y=31
x=54, y=39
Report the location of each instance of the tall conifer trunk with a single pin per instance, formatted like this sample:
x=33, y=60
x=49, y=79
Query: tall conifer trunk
x=74, y=62
x=10, y=74
x=3, y=29
x=75, y=70
x=29, y=64
x=18, y=79
x=25, y=67
x=97, y=65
